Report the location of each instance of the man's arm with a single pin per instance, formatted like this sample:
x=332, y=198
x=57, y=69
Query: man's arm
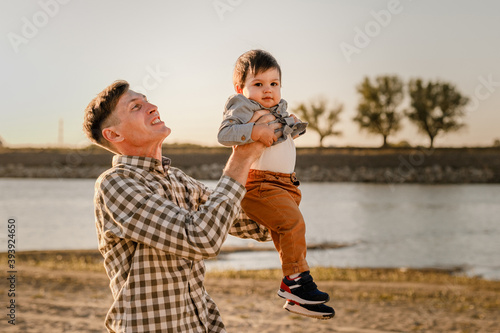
x=128, y=209
x=241, y=159
x=243, y=156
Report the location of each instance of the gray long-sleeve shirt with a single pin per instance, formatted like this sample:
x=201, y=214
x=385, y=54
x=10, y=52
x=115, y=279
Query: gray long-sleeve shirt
x=235, y=129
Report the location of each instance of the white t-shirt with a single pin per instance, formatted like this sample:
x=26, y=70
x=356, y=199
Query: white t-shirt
x=278, y=158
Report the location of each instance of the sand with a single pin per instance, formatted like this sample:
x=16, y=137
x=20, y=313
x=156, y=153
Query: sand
x=65, y=300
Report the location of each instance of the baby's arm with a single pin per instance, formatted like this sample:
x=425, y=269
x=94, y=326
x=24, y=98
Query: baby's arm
x=233, y=132
x=236, y=128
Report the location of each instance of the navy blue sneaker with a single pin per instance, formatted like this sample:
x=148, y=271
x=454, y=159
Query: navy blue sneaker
x=302, y=290
x=318, y=311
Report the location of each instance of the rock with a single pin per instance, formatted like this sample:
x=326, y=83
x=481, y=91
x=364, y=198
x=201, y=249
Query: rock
x=435, y=174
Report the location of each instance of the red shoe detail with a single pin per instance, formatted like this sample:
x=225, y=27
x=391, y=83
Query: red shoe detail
x=284, y=287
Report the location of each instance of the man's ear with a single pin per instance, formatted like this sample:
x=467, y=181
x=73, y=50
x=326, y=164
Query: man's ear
x=112, y=135
x=238, y=89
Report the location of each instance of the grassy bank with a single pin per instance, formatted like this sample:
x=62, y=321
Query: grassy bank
x=91, y=261
x=68, y=291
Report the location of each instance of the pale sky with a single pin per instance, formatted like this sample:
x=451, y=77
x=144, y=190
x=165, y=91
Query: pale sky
x=56, y=55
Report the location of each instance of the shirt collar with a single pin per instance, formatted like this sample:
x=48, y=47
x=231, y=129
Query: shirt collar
x=145, y=163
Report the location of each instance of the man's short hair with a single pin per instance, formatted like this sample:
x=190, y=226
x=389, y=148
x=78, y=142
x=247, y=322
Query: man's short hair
x=254, y=62
x=98, y=114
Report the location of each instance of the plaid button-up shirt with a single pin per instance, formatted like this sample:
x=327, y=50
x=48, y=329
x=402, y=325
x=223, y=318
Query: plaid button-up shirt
x=155, y=226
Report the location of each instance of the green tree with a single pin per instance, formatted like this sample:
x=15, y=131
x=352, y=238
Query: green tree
x=321, y=119
x=436, y=107
x=377, y=108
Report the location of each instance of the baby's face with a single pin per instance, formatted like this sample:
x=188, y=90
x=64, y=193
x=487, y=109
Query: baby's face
x=264, y=87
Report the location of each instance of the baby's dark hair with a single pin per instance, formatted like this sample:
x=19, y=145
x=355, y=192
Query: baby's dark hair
x=255, y=62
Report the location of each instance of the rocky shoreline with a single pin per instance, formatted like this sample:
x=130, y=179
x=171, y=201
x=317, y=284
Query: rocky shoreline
x=428, y=175
x=443, y=166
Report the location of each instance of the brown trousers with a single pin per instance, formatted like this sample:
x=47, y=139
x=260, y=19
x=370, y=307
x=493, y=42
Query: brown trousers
x=273, y=199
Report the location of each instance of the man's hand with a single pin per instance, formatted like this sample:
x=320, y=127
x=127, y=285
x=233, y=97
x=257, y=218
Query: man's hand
x=243, y=156
x=262, y=130
x=258, y=114
x=241, y=159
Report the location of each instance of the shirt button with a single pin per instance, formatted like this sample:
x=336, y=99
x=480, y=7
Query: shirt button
x=243, y=138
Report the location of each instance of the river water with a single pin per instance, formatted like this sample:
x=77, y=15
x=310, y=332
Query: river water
x=403, y=225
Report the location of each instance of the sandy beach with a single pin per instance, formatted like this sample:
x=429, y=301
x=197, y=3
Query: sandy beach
x=68, y=292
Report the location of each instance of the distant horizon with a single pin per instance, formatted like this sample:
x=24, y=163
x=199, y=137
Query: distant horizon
x=195, y=145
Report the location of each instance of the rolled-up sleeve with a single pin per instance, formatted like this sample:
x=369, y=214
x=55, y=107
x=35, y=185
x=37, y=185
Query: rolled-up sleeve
x=247, y=228
x=231, y=134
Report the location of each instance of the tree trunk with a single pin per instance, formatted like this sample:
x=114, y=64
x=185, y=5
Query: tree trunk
x=432, y=142
x=385, y=141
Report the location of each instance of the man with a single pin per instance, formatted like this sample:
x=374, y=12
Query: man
x=156, y=225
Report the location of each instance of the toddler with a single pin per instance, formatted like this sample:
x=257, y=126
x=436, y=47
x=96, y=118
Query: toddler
x=273, y=196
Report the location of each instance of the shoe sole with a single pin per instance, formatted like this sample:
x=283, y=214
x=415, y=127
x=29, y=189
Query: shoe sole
x=297, y=309
x=286, y=295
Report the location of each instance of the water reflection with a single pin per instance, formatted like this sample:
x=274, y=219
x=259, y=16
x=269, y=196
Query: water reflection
x=391, y=226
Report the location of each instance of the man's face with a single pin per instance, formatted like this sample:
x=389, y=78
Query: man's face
x=139, y=121
x=263, y=87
